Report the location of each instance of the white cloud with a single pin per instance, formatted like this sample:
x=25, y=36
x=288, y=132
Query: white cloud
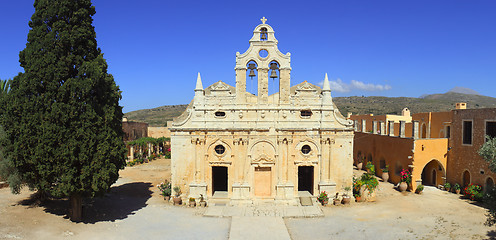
x=340, y=86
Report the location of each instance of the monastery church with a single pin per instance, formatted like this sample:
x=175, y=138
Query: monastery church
x=230, y=143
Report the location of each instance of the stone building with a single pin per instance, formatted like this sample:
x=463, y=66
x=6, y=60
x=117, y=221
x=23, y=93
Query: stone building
x=234, y=144
x=437, y=147
x=468, y=130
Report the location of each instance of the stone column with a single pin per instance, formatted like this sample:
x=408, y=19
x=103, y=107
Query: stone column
x=149, y=149
x=402, y=129
x=131, y=157
x=240, y=85
x=382, y=127
x=284, y=85
x=374, y=127
x=391, y=128
x=364, y=125
x=263, y=85
x=415, y=129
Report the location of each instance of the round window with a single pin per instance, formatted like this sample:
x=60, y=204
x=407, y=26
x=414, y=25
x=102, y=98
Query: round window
x=219, y=149
x=306, y=149
x=263, y=53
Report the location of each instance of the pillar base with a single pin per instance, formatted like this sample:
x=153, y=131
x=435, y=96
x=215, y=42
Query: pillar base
x=285, y=191
x=195, y=189
x=329, y=188
x=240, y=191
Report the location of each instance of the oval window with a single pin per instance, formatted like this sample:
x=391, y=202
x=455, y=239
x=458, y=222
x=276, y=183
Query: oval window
x=305, y=113
x=219, y=149
x=220, y=114
x=306, y=149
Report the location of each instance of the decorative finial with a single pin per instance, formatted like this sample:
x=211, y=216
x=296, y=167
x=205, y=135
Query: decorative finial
x=199, y=85
x=327, y=85
x=263, y=19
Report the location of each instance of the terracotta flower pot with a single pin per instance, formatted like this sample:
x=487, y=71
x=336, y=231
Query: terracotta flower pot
x=457, y=191
x=403, y=186
x=324, y=202
x=346, y=200
x=177, y=201
x=385, y=176
x=358, y=199
x=359, y=166
x=336, y=201
x=167, y=198
x=203, y=204
x=192, y=203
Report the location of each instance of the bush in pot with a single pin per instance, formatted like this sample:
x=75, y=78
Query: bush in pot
x=323, y=198
x=177, y=199
x=346, y=198
x=419, y=189
x=385, y=173
x=447, y=186
x=165, y=190
x=457, y=188
x=192, y=202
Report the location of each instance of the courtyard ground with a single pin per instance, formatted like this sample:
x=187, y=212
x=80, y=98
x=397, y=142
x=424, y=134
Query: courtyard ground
x=135, y=210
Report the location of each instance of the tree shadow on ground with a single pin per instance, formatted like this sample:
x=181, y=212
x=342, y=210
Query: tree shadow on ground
x=491, y=234
x=119, y=203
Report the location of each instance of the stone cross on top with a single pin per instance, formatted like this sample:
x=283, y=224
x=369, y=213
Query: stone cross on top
x=263, y=19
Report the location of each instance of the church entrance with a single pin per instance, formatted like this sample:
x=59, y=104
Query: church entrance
x=263, y=181
x=219, y=179
x=305, y=179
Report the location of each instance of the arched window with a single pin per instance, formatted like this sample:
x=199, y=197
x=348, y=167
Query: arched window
x=252, y=72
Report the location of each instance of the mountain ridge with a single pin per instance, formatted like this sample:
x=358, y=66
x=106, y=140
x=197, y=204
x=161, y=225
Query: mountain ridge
x=377, y=105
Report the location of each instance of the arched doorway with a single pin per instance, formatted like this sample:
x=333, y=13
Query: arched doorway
x=489, y=184
x=466, y=178
x=424, y=131
x=433, y=173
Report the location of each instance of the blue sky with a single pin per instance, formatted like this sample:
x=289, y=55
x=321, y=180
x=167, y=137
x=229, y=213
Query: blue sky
x=374, y=48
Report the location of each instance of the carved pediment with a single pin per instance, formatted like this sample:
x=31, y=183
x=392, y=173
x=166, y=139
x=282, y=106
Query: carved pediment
x=220, y=89
x=263, y=159
x=306, y=89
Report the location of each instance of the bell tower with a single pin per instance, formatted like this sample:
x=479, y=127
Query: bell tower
x=264, y=58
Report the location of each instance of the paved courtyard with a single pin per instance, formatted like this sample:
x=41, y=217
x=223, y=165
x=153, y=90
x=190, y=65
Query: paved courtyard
x=135, y=210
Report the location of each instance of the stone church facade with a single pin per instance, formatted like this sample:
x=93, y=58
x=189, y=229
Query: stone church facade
x=244, y=146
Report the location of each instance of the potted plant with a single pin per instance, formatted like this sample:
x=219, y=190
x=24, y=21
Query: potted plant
x=370, y=168
x=406, y=178
x=346, y=198
x=357, y=185
x=192, y=202
x=203, y=203
x=165, y=190
x=385, y=174
x=336, y=200
x=447, y=186
x=360, y=160
x=457, y=188
x=323, y=198
x=177, y=199
x=419, y=189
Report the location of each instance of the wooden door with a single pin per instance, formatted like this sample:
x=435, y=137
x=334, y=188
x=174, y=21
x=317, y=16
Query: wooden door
x=263, y=181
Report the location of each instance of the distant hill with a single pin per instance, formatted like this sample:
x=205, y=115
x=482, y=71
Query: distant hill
x=357, y=105
x=463, y=90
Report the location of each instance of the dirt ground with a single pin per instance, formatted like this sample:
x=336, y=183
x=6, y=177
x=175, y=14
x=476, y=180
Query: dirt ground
x=135, y=210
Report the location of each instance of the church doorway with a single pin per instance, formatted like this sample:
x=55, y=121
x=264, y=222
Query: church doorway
x=219, y=179
x=305, y=178
x=263, y=181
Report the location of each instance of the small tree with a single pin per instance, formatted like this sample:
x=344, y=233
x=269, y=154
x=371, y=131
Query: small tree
x=62, y=119
x=488, y=153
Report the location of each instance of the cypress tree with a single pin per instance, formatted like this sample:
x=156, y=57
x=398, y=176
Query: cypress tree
x=62, y=121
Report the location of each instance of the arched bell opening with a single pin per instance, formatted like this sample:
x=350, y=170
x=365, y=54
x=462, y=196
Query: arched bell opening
x=252, y=77
x=274, y=76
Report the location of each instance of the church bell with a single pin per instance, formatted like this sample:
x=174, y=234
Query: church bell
x=273, y=73
x=251, y=66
